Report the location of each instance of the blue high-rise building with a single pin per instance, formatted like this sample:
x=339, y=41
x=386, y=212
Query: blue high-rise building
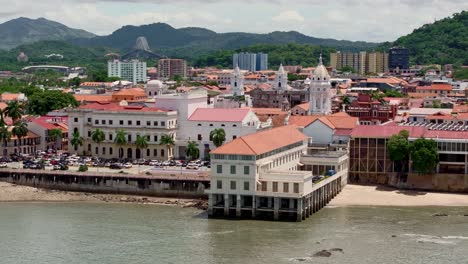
x=250, y=61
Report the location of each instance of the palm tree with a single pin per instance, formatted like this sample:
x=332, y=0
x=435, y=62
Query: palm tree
x=120, y=140
x=77, y=140
x=57, y=134
x=192, y=150
x=218, y=136
x=20, y=130
x=5, y=135
x=15, y=110
x=168, y=141
x=141, y=143
x=98, y=136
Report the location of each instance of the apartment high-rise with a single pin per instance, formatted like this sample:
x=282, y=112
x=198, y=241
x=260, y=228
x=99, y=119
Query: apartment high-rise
x=362, y=62
x=250, y=61
x=168, y=68
x=133, y=71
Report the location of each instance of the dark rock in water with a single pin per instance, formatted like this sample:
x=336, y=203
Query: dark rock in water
x=317, y=243
x=323, y=253
x=465, y=215
x=301, y=259
x=337, y=250
x=393, y=235
x=440, y=214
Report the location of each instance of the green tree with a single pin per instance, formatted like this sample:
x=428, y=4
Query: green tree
x=75, y=82
x=15, y=110
x=141, y=142
x=120, y=140
x=424, y=155
x=20, y=129
x=57, y=135
x=76, y=140
x=398, y=149
x=168, y=141
x=41, y=103
x=346, y=100
x=192, y=150
x=218, y=136
x=5, y=135
x=98, y=136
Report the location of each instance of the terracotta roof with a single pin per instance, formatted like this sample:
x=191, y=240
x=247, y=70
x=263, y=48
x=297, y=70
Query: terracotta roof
x=304, y=106
x=131, y=91
x=302, y=121
x=116, y=107
x=377, y=131
x=389, y=80
x=421, y=95
x=29, y=135
x=262, y=142
x=3, y=105
x=219, y=114
x=446, y=134
x=92, y=98
x=268, y=111
x=325, y=121
x=276, y=120
x=52, y=122
x=343, y=132
x=9, y=96
x=343, y=122
x=441, y=86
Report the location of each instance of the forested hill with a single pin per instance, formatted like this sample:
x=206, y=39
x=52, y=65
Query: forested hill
x=444, y=41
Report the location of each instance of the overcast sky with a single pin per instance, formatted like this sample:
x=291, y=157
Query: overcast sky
x=369, y=20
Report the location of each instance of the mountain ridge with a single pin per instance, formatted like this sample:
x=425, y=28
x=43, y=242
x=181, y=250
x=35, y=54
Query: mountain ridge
x=24, y=30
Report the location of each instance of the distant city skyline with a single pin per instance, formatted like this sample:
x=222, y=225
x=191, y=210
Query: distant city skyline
x=366, y=20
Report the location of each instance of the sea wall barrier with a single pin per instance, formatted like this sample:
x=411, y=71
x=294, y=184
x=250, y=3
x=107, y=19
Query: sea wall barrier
x=162, y=185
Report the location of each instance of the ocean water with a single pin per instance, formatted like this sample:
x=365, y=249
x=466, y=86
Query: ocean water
x=77, y=233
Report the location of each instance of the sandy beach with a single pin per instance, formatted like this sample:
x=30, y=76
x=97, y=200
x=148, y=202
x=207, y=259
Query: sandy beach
x=18, y=193
x=359, y=195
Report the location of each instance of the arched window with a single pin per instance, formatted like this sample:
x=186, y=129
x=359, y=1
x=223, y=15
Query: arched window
x=96, y=150
x=235, y=84
x=279, y=84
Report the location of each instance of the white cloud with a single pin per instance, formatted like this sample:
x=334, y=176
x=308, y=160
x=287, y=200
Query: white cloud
x=288, y=17
x=370, y=20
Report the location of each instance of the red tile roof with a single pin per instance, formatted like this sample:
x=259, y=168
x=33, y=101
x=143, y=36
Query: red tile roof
x=262, y=142
x=3, y=105
x=116, y=107
x=219, y=114
x=377, y=131
x=52, y=122
x=92, y=98
x=446, y=134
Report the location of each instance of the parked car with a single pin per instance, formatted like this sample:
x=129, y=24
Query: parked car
x=60, y=167
x=192, y=166
x=128, y=165
x=3, y=165
x=116, y=166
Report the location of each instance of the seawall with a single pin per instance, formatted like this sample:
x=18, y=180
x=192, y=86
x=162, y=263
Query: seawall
x=164, y=185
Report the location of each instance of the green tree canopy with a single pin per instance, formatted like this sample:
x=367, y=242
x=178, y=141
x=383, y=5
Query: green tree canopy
x=41, y=103
x=192, y=150
x=424, y=155
x=218, y=136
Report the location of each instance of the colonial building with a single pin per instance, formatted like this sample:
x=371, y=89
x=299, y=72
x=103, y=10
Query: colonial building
x=319, y=91
x=236, y=122
x=257, y=176
x=134, y=119
x=26, y=145
x=370, y=111
x=280, y=95
x=43, y=125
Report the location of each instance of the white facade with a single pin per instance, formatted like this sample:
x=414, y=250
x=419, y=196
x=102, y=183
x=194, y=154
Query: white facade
x=199, y=131
x=237, y=82
x=281, y=80
x=152, y=124
x=184, y=103
x=155, y=87
x=133, y=71
x=320, y=132
x=319, y=89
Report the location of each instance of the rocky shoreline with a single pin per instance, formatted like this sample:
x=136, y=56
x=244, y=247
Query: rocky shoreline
x=19, y=193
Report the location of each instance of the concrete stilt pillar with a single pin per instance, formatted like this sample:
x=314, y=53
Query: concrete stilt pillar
x=226, y=204
x=254, y=206
x=276, y=206
x=299, y=210
x=210, y=204
x=238, y=206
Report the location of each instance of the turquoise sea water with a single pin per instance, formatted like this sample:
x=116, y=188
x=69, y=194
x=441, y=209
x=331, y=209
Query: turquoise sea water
x=77, y=233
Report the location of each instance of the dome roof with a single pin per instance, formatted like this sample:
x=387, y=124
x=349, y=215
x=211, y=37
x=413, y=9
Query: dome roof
x=155, y=84
x=320, y=71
